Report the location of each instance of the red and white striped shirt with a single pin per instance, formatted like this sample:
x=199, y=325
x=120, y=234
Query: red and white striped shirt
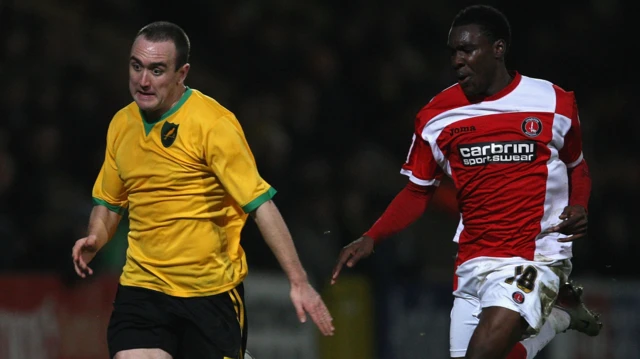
x=508, y=157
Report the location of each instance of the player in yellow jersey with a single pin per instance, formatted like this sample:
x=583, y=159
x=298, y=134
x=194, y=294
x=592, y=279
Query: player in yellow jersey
x=180, y=163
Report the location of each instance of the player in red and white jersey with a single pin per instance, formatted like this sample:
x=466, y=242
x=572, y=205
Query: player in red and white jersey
x=508, y=157
x=512, y=145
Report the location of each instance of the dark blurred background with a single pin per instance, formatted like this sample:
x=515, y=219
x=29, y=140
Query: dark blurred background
x=326, y=92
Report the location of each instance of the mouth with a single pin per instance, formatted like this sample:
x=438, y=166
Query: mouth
x=463, y=78
x=145, y=94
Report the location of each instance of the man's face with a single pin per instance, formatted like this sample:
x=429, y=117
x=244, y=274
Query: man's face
x=154, y=82
x=473, y=57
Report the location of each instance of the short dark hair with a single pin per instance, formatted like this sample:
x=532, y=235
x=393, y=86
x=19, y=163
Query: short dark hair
x=166, y=31
x=493, y=22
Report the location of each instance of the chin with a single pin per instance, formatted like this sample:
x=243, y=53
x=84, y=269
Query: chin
x=472, y=91
x=146, y=105
x=469, y=91
x=142, y=105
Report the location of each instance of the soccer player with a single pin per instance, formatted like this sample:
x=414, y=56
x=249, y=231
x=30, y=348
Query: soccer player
x=512, y=145
x=180, y=163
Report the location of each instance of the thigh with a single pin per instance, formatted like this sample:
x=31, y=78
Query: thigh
x=464, y=320
x=216, y=326
x=497, y=332
x=525, y=287
x=138, y=321
x=143, y=354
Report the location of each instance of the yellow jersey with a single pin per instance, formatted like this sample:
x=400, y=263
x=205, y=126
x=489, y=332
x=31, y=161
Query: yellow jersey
x=188, y=181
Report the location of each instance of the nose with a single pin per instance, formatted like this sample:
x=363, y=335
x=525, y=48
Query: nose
x=457, y=59
x=145, y=80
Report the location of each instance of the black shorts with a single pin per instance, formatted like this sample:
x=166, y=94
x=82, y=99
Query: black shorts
x=211, y=327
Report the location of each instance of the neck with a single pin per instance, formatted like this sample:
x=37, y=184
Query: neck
x=155, y=115
x=500, y=81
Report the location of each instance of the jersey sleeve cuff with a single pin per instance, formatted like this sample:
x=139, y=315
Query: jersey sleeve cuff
x=576, y=162
x=418, y=181
x=253, y=205
x=113, y=208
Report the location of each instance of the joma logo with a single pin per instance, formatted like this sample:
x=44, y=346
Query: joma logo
x=457, y=130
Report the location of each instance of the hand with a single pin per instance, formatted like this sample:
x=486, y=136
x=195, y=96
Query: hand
x=352, y=253
x=574, y=223
x=306, y=300
x=82, y=253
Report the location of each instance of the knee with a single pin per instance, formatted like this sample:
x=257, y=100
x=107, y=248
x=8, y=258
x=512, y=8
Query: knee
x=483, y=351
x=142, y=354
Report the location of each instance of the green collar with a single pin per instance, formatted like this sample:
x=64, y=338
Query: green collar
x=148, y=125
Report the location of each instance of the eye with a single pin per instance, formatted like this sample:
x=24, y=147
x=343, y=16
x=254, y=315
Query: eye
x=157, y=72
x=468, y=49
x=136, y=66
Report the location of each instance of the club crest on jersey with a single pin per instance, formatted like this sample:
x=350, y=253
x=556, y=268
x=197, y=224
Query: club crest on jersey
x=518, y=297
x=168, y=133
x=532, y=126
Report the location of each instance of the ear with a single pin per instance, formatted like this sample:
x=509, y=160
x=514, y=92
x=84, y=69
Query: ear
x=499, y=49
x=183, y=72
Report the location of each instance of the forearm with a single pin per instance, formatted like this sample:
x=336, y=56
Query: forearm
x=579, y=185
x=277, y=236
x=406, y=208
x=103, y=224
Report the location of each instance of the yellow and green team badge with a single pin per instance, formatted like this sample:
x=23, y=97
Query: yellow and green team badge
x=168, y=133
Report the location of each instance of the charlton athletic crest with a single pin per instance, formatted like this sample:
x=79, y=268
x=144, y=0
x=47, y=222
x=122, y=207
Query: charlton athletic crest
x=518, y=297
x=532, y=126
x=168, y=133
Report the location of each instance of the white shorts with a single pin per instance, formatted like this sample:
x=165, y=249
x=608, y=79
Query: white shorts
x=527, y=287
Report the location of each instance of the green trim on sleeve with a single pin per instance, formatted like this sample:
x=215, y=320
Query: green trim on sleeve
x=253, y=205
x=117, y=209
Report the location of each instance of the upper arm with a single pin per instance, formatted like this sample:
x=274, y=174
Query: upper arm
x=228, y=154
x=264, y=211
x=421, y=165
x=109, y=189
x=571, y=151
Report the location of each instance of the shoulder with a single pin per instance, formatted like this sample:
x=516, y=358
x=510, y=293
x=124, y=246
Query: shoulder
x=208, y=112
x=564, y=100
x=448, y=99
x=124, y=117
x=208, y=116
x=532, y=84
